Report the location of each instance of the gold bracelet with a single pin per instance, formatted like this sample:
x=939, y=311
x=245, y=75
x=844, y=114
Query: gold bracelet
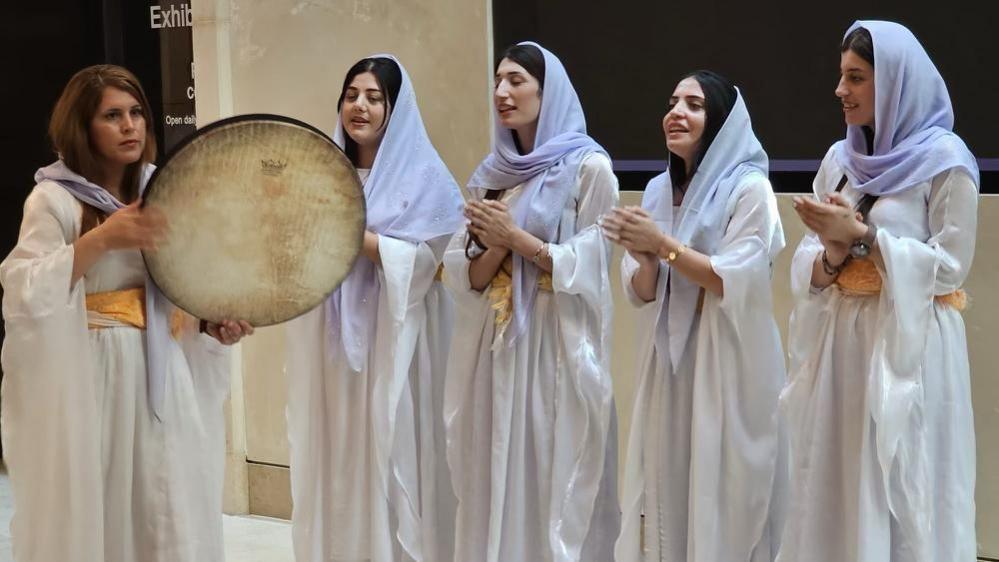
x=675, y=253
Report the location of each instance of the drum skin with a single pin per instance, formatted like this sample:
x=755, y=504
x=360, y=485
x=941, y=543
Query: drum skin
x=266, y=216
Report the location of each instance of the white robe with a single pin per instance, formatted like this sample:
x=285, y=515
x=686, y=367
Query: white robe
x=879, y=400
x=94, y=475
x=530, y=428
x=706, y=463
x=368, y=475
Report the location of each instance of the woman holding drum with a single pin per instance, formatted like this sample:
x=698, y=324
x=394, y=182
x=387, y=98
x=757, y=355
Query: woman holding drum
x=112, y=403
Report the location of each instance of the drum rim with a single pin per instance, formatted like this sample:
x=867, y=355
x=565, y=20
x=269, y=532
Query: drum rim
x=187, y=140
x=184, y=142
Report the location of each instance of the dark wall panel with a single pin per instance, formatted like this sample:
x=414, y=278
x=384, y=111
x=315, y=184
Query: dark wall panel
x=625, y=58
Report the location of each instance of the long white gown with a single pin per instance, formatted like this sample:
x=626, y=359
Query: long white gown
x=368, y=472
x=530, y=428
x=94, y=475
x=706, y=464
x=879, y=399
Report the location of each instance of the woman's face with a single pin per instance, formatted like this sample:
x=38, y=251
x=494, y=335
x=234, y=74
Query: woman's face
x=517, y=95
x=118, y=128
x=363, y=112
x=683, y=124
x=856, y=89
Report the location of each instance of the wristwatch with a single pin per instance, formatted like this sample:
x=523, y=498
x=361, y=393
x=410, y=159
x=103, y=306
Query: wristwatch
x=861, y=247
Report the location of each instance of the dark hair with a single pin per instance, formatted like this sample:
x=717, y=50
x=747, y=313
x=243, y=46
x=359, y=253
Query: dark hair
x=719, y=98
x=389, y=78
x=860, y=42
x=533, y=61
x=528, y=56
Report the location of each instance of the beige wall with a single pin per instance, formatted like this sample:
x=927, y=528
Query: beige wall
x=289, y=57
x=264, y=396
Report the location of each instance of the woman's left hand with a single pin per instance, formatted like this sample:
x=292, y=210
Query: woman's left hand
x=633, y=228
x=491, y=223
x=833, y=220
x=229, y=332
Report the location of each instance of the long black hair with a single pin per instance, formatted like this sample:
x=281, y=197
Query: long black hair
x=860, y=42
x=719, y=98
x=389, y=78
x=533, y=61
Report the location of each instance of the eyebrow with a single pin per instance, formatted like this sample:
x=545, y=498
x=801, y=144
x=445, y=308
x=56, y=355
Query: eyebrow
x=511, y=73
x=356, y=89
x=690, y=97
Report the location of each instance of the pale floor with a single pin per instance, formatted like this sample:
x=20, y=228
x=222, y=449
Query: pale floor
x=247, y=539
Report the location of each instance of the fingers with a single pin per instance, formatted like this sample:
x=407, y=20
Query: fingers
x=805, y=204
x=494, y=210
x=496, y=205
x=807, y=208
x=611, y=220
x=483, y=215
x=639, y=211
x=611, y=234
x=231, y=331
x=824, y=209
x=631, y=214
x=474, y=211
x=838, y=200
x=228, y=332
x=611, y=227
x=477, y=230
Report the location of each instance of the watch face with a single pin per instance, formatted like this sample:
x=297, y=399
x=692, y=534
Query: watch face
x=860, y=250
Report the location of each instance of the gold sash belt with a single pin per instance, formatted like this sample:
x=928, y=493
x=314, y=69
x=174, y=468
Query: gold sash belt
x=861, y=278
x=128, y=307
x=501, y=291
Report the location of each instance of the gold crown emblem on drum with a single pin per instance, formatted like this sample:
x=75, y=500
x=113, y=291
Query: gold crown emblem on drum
x=272, y=167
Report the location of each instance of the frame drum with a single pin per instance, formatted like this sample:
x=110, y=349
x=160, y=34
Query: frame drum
x=266, y=217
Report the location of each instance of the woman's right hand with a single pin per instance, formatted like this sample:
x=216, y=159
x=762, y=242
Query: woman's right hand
x=490, y=221
x=129, y=227
x=133, y=227
x=645, y=259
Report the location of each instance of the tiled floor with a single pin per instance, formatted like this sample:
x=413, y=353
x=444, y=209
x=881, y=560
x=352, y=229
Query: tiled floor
x=247, y=539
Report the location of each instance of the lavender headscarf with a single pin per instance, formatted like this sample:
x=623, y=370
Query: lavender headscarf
x=157, y=305
x=913, y=119
x=411, y=195
x=734, y=154
x=550, y=172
